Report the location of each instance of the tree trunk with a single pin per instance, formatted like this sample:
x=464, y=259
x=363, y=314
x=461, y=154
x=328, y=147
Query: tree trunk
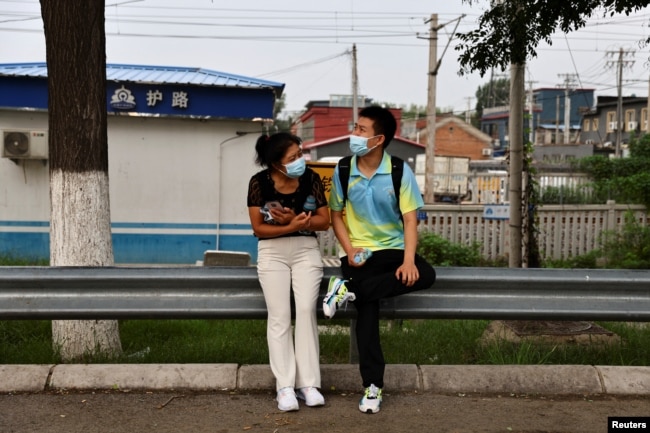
x=80, y=223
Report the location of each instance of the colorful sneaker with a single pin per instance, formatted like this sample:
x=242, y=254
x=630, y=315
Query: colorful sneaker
x=371, y=400
x=287, y=399
x=311, y=396
x=336, y=297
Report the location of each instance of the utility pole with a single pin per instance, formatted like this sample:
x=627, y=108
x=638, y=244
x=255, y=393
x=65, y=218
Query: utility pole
x=620, y=63
x=647, y=113
x=531, y=112
x=516, y=151
x=557, y=119
x=468, y=117
x=619, y=103
x=355, y=86
x=434, y=65
x=430, y=152
x=515, y=131
x=569, y=80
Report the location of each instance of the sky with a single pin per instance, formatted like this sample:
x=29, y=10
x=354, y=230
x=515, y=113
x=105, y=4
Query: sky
x=307, y=46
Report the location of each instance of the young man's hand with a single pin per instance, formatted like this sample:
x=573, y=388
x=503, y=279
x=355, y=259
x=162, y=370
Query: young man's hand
x=408, y=274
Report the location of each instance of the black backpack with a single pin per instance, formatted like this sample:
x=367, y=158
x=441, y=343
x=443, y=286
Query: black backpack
x=397, y=169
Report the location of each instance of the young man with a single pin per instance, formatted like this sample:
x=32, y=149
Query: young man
x=374, y=222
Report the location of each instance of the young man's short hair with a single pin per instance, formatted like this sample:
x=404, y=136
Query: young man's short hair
x=384, y=122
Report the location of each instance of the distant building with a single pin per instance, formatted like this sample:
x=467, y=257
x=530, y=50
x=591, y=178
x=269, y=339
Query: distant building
x=551, y=102
x=455, y=137
x=601, y=128
x=337, y=147
x=326, y=125
x=328, y=119
x=547, y=117
x=181, y=144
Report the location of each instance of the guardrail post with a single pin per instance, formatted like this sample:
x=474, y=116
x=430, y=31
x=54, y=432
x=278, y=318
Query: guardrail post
x=354, y=349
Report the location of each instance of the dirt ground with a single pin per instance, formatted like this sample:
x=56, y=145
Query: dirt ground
x=222, y=412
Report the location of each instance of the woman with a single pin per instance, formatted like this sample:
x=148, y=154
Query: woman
x=289, y=259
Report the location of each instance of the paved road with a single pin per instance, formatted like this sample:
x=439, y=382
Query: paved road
x=224, y=398
x=236, y=411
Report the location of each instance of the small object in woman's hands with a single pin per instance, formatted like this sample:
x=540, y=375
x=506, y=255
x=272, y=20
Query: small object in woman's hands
x=273, y=205
x=266, y=210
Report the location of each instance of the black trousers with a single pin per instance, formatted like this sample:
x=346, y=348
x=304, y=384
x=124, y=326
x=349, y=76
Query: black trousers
x=370, y=283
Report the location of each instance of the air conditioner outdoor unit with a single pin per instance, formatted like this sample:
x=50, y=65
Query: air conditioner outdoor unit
x=486, y=152
x=613, y=126
x=631, y=126
x=18, y=144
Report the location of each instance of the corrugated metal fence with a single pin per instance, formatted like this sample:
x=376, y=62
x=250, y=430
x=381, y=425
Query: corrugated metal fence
x=195, y=292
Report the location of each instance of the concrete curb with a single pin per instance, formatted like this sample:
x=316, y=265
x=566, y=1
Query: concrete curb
x=444, y=379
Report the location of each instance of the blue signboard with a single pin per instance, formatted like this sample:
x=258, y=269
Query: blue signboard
x=496, y=211
x=152, y=99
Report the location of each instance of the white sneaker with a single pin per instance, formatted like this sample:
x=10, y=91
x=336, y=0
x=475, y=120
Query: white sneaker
x=371, y=400
x=287, y=399
x=311, y=396
x=337, y=296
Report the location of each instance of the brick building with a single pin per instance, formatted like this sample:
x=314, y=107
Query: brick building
x=454, y=137
x=330, y=119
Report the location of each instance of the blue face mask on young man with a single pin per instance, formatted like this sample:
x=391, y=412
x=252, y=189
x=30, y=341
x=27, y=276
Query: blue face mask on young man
x=359, y=145
x=296, y=168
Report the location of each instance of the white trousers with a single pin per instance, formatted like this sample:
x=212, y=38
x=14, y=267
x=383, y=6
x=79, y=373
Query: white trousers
x=285, y=265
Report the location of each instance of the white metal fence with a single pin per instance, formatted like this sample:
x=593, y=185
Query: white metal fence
x=563, y=230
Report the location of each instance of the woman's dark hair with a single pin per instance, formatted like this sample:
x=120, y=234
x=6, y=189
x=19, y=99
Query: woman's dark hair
x=271, y=149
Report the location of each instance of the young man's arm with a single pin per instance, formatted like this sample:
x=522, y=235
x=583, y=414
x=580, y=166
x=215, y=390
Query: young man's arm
x=341, y=233
x=408, y=272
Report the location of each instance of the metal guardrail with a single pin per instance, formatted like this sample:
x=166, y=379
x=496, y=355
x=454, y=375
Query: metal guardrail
x=234, y=293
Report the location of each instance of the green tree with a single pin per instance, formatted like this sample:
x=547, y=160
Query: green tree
x=626, y=180
x=492, y=94
x=281, y=124
x=510, y=31
x=414, y=111
x=80, y=222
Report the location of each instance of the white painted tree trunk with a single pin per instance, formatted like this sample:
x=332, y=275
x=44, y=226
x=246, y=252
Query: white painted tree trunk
x=80, y=235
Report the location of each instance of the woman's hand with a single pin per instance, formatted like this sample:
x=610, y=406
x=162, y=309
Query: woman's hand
x=282, y=216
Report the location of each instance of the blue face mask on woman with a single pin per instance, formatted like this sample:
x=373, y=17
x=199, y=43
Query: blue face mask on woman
x=296, y=168
x=359, y=145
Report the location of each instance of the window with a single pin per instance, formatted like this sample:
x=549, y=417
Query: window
x=630, y=120
x=596, y=124
x=644, y=119
x=585, y=125
x=612, y=124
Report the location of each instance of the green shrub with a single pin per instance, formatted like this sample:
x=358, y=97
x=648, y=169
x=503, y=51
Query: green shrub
x=627, y=249
x=441, y=252
x=566, y=195
x=585, y=261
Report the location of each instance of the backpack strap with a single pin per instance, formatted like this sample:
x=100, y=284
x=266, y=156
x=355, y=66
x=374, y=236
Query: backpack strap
x=396, y=172
x=344, y=176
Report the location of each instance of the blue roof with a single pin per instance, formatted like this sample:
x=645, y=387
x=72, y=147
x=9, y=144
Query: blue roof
x=147, y=74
